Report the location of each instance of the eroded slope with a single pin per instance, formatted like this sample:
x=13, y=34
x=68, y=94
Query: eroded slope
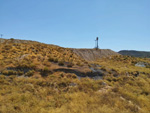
x=93, y=54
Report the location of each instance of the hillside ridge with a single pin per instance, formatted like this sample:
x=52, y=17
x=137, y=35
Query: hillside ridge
x=12, y=40
x=86, y=54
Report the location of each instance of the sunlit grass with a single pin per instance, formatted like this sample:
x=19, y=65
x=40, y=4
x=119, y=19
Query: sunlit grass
x=27, y=84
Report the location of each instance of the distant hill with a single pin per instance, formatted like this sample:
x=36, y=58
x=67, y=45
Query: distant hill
x=135, y=53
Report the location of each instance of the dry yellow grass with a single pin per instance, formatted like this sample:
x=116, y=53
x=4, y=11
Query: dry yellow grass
x=124, y=88
x=60, y=94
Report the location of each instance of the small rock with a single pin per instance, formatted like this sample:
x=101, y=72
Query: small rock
x=72, y=84
x=140, y=64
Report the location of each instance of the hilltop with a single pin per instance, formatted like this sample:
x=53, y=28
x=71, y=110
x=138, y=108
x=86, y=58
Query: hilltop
x=44, y=78
x=86, y=54
x=16, y=41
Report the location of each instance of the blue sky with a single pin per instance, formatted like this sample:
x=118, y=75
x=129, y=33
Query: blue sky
x=120, y=24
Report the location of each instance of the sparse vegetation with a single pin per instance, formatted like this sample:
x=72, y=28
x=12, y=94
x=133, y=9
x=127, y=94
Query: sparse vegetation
x=40, y=78
x=61, y=63
x=58, y=93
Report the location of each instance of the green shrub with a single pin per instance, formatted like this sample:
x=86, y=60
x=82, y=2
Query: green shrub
x=70, y=65
x=56, y=60
x=45, y=69
x=9, y=72
x=51, y=59
x=79, y=64
x=29, y=73
x=61, y=63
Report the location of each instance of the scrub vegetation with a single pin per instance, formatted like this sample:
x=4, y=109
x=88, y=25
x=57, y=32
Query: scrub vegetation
x=29, y=82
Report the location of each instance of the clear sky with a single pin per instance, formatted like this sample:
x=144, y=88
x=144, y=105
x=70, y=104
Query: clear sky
x=120, y=24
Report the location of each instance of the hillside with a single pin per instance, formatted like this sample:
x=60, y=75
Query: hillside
x=29, y=57
x=44, y=78
x=133, y=53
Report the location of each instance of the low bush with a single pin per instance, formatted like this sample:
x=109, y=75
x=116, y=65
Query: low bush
x=61, y=63
x=70, y=65
x=29, y=73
